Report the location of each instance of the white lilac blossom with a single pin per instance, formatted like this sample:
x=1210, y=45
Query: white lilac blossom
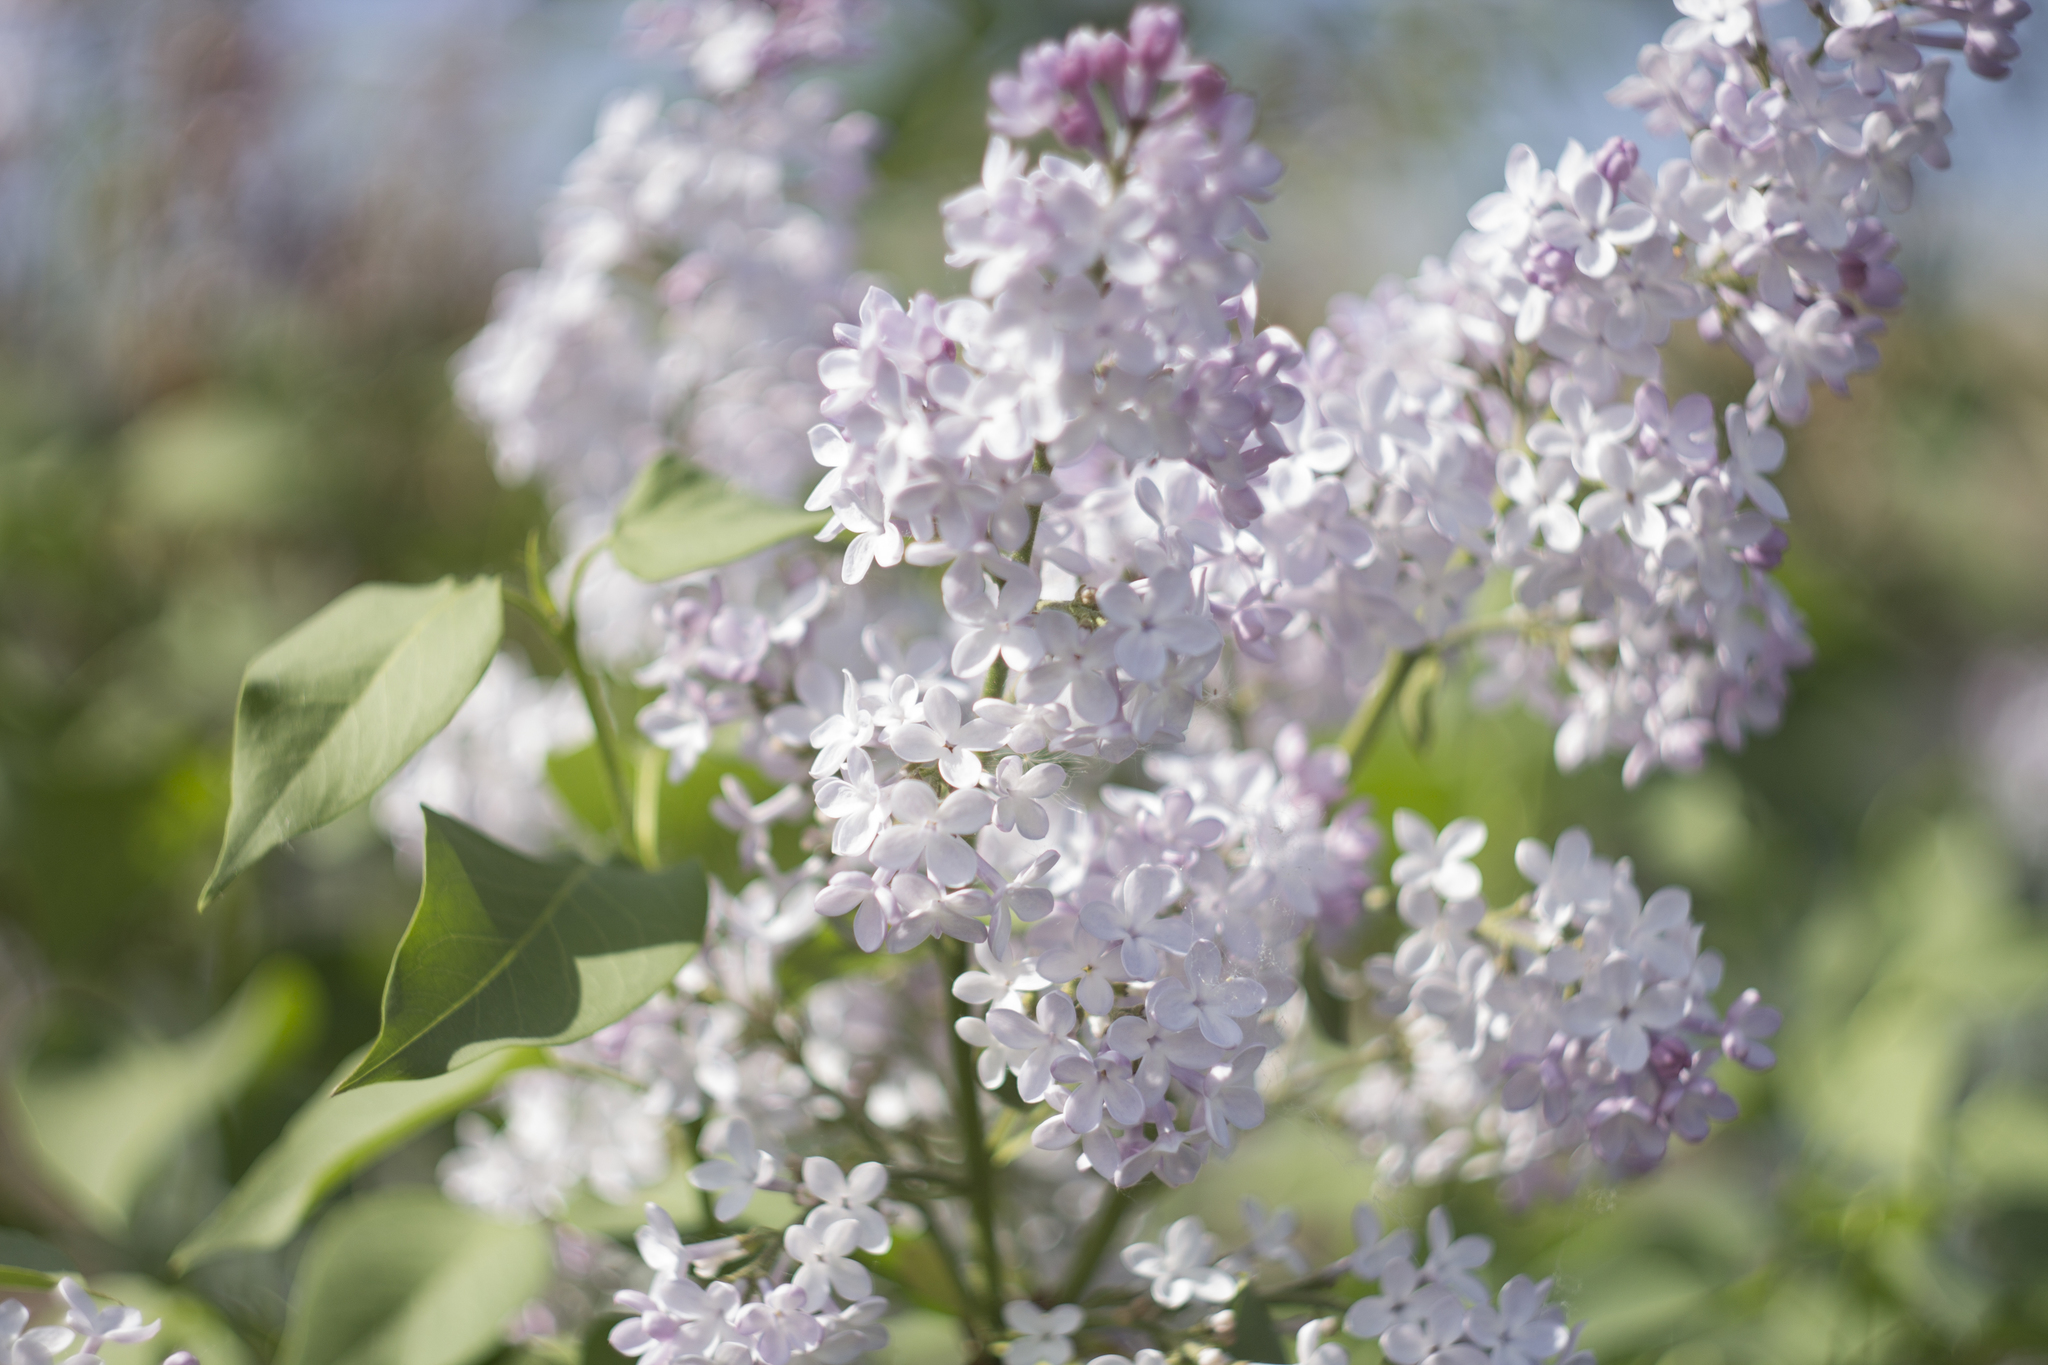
x=693, y=265
x=560, y=1132
x=1043, y=812
x=1645, y=619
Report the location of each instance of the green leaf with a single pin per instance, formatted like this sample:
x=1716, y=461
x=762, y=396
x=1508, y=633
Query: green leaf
x=1256, y=1337
x=21, y=1277
x=337, y=706
x=677, y=519
x=402, y=1277
x=1331, y=1012
x=189, y=1324
x=21, y=1253
x=505, y=950
x=104, y=1130
x=327, y=1141
x=916, y=1265
x=597, y=1345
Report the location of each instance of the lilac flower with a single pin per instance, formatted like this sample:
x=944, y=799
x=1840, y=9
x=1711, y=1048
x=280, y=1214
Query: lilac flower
x=1092, y=963
x=1157, y=1050
x=1453, y=1259
x=1181, y=1266
x=944, y=738
x=825, y=1264
x=1409, y=1316
x=737, y=1174
x=1019, y=792
x=1593, y=223
x=1748, y=1022
x=1438, y=862
x=929, y=831
x=781, y=1325
x=1131, y=920
x=1755, y=452
x=1524, y=1329
x=1100, y=1083
x=1376, y=1252
x=856, y=802
x=1616, y=1006
x=675, y=1321
x=849, y=1197
x=1044, y=1335
x=1163, y=619
x=1041, y=1041
x=28, y=1345
x=116, y=1323
x=1207, y=999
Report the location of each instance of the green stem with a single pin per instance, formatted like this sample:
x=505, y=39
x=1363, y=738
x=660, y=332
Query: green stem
x=607, y=742
x=1101, y=1232
x=647, y=808
x=1372, y=712
x=707, y=1203
x=561, y=633
x=981, y=1179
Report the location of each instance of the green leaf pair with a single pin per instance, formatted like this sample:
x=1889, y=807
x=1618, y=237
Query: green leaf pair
x=328, y=713
x=504, y=951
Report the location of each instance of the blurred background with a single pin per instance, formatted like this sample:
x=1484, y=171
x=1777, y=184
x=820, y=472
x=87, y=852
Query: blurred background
x=240, y=239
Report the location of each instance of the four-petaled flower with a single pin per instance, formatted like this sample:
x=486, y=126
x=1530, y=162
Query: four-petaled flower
x=1182, y=1266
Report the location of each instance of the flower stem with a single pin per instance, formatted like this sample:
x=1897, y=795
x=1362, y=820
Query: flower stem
x=1371, y=715
x=647, y=808
x=981, y=1176
x=1101, y=1232
x=560, y=630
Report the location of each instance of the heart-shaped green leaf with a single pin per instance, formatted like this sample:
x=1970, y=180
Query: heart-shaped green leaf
x=507, y=950
x=402, y=1277
x=103, y=1131
x=327, y=1141
x=677, y=519
x=337, y=706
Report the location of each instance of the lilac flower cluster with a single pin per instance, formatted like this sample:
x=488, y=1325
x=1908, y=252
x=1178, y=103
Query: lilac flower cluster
x=812, y=1304
x=1437, y=1311
x=1099, y=408
x=1583, y=1006
x=696, y=260
x=1479, y=417
x=1081, y=768
x=1143, y=994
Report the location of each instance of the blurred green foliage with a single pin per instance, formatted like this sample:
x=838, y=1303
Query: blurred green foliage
x=166, y=512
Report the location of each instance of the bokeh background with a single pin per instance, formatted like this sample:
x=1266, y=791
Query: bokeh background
x=240, y=239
